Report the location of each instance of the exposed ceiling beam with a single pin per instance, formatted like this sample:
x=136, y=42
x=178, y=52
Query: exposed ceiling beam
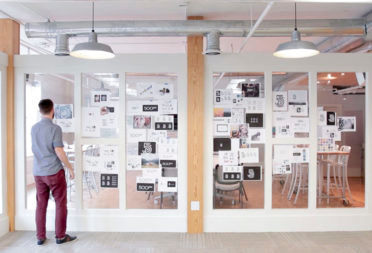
x=227, y=28
x=214, y=1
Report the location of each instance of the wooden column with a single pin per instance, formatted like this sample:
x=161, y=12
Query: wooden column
x=9, y=44
x=195, y=123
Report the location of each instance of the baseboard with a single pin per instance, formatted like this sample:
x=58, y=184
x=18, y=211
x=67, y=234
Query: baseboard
x=110, y=223
x=4, y=225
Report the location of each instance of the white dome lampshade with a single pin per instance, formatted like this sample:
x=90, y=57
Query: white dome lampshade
x=92, y=49
x=296, y=48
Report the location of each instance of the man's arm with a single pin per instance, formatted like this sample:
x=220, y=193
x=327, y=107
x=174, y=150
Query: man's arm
x=63, y=157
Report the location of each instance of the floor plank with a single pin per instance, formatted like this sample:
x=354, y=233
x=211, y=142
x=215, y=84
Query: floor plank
x=325, y=242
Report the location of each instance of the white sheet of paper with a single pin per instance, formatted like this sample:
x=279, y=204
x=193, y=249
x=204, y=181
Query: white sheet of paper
x=223, y=97
x=282, y=167
x=254, y=105
x=110, y=158
x=297, y=103
x=134, y=163
x=163, y=91
x=280, y=101
x=283, y=125
x=151, y=173
x=228, y=158
x=136, y=135
x=134, y=107
x=256, y=135
x=164, y=184
x=63, y=116
x=249, y=155
x=145, y=90
x=100, y=97
x=300, y=155
x=237, y=115
x=300, y=125
x=91, y=124
x=156, y=135
x=283, y=152
x=168, y=106
x=221, y=128
x=329, y=132
x=322, y=118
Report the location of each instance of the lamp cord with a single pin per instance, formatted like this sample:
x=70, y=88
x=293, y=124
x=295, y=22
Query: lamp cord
x=92, y=16
x=295, y=17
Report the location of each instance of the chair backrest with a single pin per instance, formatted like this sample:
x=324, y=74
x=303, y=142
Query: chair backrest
x=344, y=159
x=219, y=176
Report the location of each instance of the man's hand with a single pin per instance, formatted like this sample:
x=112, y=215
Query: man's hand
x=72, y=173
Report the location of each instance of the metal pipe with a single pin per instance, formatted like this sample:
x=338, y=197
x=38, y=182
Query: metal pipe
x=250, y=34
x=227, y=28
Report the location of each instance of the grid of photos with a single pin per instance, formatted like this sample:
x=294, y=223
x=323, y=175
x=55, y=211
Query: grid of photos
x=152, y=141
x=238, y=140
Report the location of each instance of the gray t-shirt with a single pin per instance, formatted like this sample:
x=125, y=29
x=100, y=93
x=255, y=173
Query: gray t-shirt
x=45, y=137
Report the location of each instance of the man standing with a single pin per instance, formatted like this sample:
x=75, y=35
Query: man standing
x=49, y=173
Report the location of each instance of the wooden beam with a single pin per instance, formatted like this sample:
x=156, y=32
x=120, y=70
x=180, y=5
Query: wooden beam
x=9, y=44
x=195, y=123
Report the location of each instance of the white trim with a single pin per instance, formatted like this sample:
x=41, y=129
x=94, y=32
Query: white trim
x=267, y=219
x=120, y=219
x=4, y=220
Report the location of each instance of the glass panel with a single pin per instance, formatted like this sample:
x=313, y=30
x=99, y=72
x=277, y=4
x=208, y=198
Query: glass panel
x=100, y=176
x=100, y=101
x=290, y=176
x=290, y=105
x=152, y=141
x=238, y=140
x=60, y=89
x=341, y=139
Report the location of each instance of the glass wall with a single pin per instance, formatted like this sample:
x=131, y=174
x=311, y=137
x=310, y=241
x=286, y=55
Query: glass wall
x=100, y=112
x=151, y=141
x=341, y=139
x=59, y=88
x=238, y=140
x=290, y=108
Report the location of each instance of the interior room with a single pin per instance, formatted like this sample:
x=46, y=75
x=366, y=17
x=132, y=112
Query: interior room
x=185, y=126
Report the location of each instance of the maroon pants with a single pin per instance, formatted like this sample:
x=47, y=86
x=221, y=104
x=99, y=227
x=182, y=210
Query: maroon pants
x=57, y=184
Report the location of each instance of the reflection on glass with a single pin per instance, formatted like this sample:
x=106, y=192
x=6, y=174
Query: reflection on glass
x=100, y=176
x=341, y=139
x=100, y=104
x=290, y=105
x=290, y=176
x=152, y=141
x=238, y=140
x=60, y=89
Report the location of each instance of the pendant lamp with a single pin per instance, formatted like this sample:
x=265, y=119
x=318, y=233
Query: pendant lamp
x=92, y=49
x=296, y=48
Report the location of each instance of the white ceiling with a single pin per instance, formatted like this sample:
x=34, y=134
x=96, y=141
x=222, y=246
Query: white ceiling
x=59, y=10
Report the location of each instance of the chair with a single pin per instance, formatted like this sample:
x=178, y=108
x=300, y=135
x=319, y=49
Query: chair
x=342, y=164
x=222, y=187
x=167, y=172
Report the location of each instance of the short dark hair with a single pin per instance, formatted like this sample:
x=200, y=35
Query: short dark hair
x=45, y=106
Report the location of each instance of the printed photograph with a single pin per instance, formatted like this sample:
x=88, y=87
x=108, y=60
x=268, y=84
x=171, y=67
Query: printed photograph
x=149, y=161
x=250, y=90
x=141, y=122
x=346, y=124
x=63, y=111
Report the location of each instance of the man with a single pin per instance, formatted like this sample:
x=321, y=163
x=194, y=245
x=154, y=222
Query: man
x=49, y=173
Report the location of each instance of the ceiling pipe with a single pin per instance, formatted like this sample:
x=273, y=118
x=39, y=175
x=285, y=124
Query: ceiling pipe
x=227, y=28
x=250, y=34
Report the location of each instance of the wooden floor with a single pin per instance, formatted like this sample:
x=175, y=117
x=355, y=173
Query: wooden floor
x=327, y=242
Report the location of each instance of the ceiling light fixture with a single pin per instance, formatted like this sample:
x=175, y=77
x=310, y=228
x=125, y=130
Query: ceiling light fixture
x=92, y=49
x=296, y=48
